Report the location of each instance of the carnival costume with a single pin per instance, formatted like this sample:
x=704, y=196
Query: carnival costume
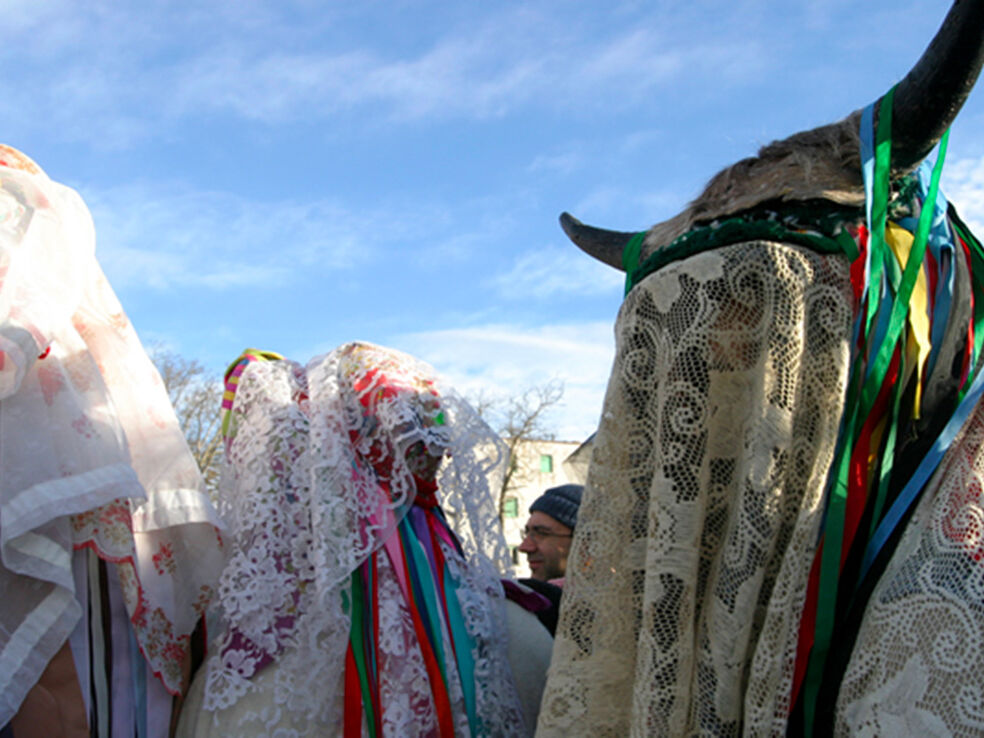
x=110, y=546
x=350, y=606
x=783, y=522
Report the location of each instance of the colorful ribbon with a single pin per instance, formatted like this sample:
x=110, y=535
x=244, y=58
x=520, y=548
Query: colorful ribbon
x=906, y=301
x=231, y=381
x=430, y=594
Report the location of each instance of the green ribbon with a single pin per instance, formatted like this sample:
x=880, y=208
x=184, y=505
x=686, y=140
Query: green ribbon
x=358, y=641
x=977, y=268
x=425, y=592
x=630, y=259
x=463, y=644
x=833, y=533
x=883, y=268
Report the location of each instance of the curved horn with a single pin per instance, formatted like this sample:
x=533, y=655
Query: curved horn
x=926, y=102
x=932, y=93
x=606, y=246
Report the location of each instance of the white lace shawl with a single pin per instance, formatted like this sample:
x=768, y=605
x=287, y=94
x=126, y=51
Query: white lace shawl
x=91, y=452
x=306, y=510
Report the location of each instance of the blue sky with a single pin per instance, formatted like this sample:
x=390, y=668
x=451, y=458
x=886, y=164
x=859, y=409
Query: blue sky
x=293, y=174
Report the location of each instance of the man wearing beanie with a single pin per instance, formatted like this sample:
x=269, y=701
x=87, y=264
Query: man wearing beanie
x=548, y=533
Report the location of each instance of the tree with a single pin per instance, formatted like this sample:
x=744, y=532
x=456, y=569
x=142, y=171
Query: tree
x=196, y=397
x=519, y=419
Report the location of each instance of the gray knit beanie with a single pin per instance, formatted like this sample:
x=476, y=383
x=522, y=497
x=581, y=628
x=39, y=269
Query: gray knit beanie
x=560, y=503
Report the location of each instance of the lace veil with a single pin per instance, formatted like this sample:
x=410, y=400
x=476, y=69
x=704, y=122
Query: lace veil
x=702, y=503
x=306, y=447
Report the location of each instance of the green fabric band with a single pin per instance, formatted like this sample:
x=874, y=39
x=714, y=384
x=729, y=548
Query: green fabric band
x=630, y=259
x=818, y=225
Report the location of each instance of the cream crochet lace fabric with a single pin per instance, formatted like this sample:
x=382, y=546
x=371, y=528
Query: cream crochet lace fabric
x=699, y=521
x=917, y=668
x=698, y=526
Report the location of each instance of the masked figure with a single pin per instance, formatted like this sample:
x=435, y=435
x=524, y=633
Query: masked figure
x=781, y=530
x=362, y=597
x=110, y=547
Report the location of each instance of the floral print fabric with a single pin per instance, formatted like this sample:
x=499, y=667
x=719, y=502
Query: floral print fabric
x=91, y=451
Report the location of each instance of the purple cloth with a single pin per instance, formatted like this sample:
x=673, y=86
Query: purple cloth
x=524, y=597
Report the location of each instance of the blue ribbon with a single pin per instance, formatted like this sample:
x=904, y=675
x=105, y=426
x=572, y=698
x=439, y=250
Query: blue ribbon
x=928, y=465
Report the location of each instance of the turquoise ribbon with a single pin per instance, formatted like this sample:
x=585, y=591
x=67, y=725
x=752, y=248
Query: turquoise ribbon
x=425, y=588
x=463, y=645
x=911, y=491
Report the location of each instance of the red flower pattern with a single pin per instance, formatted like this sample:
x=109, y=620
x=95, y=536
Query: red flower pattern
x=164, y=559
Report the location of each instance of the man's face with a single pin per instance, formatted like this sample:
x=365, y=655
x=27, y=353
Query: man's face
x=546, y=545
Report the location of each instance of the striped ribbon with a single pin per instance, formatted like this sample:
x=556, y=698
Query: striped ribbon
x=231, y=381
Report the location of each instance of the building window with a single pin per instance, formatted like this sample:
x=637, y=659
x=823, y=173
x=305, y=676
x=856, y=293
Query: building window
x=515, y=554
x=546, y=464
x=510, y=507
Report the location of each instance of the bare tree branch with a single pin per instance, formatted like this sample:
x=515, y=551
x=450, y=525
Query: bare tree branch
x=196, y=398
x=517, y=420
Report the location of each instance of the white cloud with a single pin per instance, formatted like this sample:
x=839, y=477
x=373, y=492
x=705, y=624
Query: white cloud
x=562, y=164
x=455, y=76
x=503, y=63
x=36, y=19
x=614, y=207
x=170, y=236
x=505, y=360
x=555, y=272
x=963, y=183
x=638, y=58
x=113, y=74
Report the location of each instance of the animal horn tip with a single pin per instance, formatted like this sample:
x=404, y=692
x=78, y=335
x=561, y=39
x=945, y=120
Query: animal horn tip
x=569, y=223
x=603, y=245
